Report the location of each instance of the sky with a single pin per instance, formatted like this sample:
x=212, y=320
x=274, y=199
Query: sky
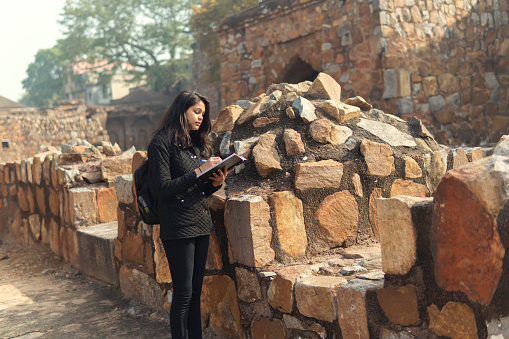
x=26, y=26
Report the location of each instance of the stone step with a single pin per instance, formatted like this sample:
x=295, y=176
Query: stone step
x=96, y=255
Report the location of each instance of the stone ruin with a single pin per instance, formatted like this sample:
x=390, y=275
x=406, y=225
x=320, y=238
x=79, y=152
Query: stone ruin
x=343, y=223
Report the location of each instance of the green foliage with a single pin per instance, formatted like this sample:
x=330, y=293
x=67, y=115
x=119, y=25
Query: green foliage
x=148, y=34
x=44, y=82
x=205, y=21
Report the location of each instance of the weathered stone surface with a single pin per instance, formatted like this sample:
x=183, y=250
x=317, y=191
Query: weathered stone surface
x=46, y=164
x=83, y=206
x=40, y=198
x=326, y=132
x=475, y=154
x=396, y=83
x=352, y=312
x=337, y=216
x=107, y=204
x=459, y=158
x=378, y=157
x=409, y=188
x=54, y=202
x=23, y=200
x=398, y=236
x=108, y=149
x=55, y=243
x=357, y=184
x=320, y=174
x=96, y=256
x=359, y=102
x=265, y=155
x=220, y=308
x=37, y=168
x=124, y=188
x=315, y=296
x=140, y=287
x=132, y=248
x=339, y=110
x=35, y=226
x=252, y=112
x=498, y=328
x=465, y=205
x=412, y=169
x=226, y=119
x=280, y=292
x=436, y=166
x=400, y=306
x=266, y=328
x=246, y=220
x=263, y=121
x=243, y=147
x=324, y=87
x=214, y=257
x=162, y=269
x=299, y=89
x=456, y=321
x=248, y=288
x=293, y=142
x=115, y=166
x=289, y=220
x=388, y=133
x=305, y=109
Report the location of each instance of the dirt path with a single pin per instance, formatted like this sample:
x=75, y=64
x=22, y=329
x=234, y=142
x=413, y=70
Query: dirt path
x=41, y=296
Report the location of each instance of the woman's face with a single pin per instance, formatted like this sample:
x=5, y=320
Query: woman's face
x=194, y=115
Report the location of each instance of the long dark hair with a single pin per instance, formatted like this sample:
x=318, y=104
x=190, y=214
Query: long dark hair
x=174, y=122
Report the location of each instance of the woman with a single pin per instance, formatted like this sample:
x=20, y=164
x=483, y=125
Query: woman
x=174, y=156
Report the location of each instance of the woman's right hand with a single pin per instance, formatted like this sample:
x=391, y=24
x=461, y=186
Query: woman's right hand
x=208, y=164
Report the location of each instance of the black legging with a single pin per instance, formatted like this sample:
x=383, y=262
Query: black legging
x=186, y=258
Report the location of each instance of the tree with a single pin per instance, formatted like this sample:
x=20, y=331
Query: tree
x=148, y=34
x=205, y=21
x=44, y=82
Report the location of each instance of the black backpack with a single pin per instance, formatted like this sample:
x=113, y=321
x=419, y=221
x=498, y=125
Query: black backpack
x=147, y=204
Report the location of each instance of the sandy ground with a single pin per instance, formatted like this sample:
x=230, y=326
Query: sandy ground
x=41, y=296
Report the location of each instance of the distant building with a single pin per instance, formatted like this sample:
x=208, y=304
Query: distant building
x=6, y=104
x=88, y=82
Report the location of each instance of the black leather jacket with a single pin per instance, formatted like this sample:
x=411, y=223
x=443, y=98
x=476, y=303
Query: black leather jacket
x=182, y=199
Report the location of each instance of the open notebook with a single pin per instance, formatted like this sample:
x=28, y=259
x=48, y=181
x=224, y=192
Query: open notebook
x=232, y=160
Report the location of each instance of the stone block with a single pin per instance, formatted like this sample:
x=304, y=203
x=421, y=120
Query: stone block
x=107, y=204
x=412, y=169
x=140, y=287
x=398, y=234
x=220, y=308
x=162, y=268
x=388, y=133
x=408, y=188
x=337, y=217
x=252, y=111
x=324, y=87
x=359, y=102
x=54, y=202
x=55, y=243
x=266, y=328
x=466, y=205
x=304, y=109
x=378, y=158
x=316, y=296
x=246, y=219
x=400, y=306
x=263, y=121
x=352, y=308
x=70, y=246
x=82, y=205
x=326, y=132
x=265, y=155
x=214, y=256
x=46, y=173
x=498, y=328
x=339, y=110
x=40, y=198
x=289, y=222
x=112, y=167
x=96, y=255
x=225, y=120
x=293, y=142
x=132, y=248
x=320, y=174
x=243, y=147
x=124, y=188
x=396, y=83
x=456, y=321
x=248, y=287
x=23, y=200
x=35, y=226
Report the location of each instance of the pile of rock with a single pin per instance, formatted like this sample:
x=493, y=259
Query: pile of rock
x=333, y=157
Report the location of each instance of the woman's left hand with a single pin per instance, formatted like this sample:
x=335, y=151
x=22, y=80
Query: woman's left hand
x=218, y=178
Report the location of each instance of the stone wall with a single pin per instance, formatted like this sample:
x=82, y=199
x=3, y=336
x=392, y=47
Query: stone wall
x=439, y=268
x=443, y=61
x=26, y=132
x=204, y=82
